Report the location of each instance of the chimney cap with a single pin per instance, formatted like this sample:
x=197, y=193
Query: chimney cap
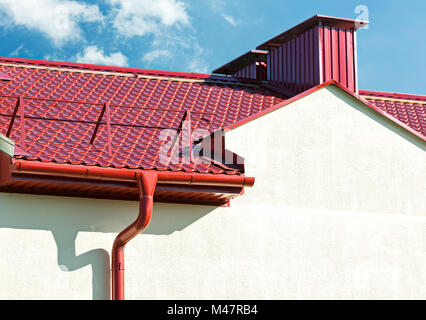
x=311, y=22
x=242, y=61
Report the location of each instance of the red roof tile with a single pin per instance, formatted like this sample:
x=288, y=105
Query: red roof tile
x=4, y=76
x=407, y=108
x=143, y=102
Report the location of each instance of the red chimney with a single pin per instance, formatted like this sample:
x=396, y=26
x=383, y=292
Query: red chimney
x=317, y=50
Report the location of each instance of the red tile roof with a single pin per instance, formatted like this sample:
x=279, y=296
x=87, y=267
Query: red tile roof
x=143, y=102
x=407, y=108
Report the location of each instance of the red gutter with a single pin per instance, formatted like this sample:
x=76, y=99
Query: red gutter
x=108, y=173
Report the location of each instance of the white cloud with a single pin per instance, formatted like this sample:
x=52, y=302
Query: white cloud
x=141, y=17
x=172, y=43
x=155, y=55
x=94, y=55
x=230, y=19
x=16, y=52
x=219, y=7
x=197, y=63
x=58, y=19
x=182, y=49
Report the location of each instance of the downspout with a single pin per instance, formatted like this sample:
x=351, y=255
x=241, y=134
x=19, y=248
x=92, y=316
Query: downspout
x=146, y=183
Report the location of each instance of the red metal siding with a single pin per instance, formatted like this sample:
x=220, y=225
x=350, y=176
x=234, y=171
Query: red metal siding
x=342, y=57
x=339, y=56
x=316, y=58
x=350, y=53
x=295, y=64
x=317, y=55
x=334, y=48
x=247, y=72
x=256, y=70
x=327, y=54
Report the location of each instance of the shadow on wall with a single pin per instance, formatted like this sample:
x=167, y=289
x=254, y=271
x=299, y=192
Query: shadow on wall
x=65, y=217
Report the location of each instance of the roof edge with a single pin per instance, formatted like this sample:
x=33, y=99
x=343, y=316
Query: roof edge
x=278, y=106
x=394, y=95
x=127, y=72
x=314, y=89
x=95, y=67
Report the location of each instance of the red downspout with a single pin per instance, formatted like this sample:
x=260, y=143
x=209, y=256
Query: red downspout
x=146, y=184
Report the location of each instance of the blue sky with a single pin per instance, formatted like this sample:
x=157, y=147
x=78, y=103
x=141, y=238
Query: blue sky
x=200, y=35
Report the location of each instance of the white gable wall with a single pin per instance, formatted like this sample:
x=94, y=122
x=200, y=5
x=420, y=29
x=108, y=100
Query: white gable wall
x=337, y=211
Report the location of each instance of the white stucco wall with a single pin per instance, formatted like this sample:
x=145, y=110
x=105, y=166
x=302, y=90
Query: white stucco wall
x=337, y=211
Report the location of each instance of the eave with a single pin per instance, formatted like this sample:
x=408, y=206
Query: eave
x=47, y=178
